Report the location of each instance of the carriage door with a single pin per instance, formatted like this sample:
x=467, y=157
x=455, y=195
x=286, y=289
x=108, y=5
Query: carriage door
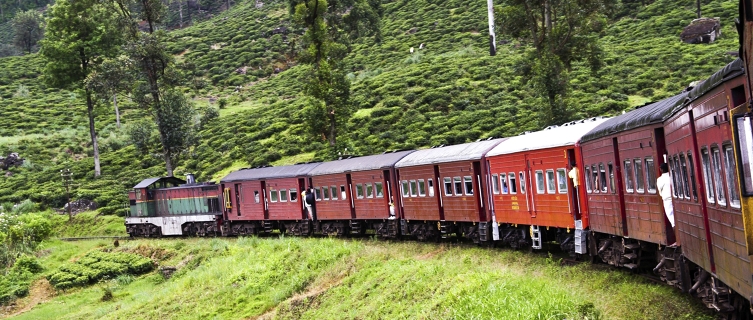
x=572, y=188
x=302, y=197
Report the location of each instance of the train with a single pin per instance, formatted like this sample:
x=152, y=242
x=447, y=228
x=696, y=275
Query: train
x=589, y=186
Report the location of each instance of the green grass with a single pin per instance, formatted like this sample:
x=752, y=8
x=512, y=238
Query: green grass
x=89, y=224
x=326, y=278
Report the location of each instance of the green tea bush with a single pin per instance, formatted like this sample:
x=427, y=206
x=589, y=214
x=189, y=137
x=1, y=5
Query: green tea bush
x=97, y=265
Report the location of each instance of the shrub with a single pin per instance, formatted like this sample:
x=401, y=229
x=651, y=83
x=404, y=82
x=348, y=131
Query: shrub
x=96, y=265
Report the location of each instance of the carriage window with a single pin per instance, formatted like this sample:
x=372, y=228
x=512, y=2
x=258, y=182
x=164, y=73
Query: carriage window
x=406, y=191
x=283, y=195
x=369, y=190
x=603, y=177
x=431, y=187
x=273, y=195
x=650, y=175
x=468, y=180
x=595, y=179
x=693, y=187
x=561, y=180
x=588, y=179
x=448, y=186
x=379, y=189
x=359, y=191
x=729, y=169
x=343, y=194
x=680, y=184
x=495, y=184
x=639, y=177
x=522, y=182
x=684, y=168
x=513, y=184
x=706, y=163
x=325, y=193
x=256, y=196
x=550, y=185
x=611, y=177
x=503, y=182
x=458, y=186
x=539, y=181
x=334, y=192
x=293, y=195
x=717, y=171
x=628, y=176
x=745, y=146
x=421, y=188
x=413, y=191
x=318, y=194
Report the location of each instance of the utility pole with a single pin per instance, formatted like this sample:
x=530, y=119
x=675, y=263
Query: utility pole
x=492, y=35
x=67, y=176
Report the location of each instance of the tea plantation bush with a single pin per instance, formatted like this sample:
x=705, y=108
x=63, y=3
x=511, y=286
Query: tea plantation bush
x=97, y=265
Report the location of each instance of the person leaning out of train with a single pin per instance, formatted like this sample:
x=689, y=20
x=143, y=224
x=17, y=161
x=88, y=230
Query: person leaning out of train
x=309, y=201
x=663, y=183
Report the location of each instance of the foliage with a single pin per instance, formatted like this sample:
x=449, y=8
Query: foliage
x=316, y=278
x=97, y=265
x=21, y=230
x=28, y=29
x=79, y=35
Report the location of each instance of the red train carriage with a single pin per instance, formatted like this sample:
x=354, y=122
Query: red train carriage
x=354, y=195
x=533, y=198
x=263, y=199
x=622, y=157
x=442, y=191
x=170, y=206
x=706, y=196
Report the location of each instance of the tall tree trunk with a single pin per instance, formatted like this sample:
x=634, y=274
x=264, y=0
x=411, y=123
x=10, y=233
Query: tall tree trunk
x=547, y=17
x=492, y=35
x=90, y=111
x=332, y=128
x=168, y=156
x=227, y=4
x=698, y=8
x=180, y=13
x=117, y=113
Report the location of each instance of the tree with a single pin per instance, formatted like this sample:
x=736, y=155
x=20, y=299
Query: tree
x=330, y=28
x=27, y=29
x=109, y=78
x=80, y=35
x=156, y=78
x=560, y=33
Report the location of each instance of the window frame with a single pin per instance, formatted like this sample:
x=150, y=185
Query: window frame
x=430, y=186
x=285, y=192
x=708, y=180
x=650, y=174
x=273, y=195
x=421, y=187
x=522, y=182
x=540, y=183
x=561, y=176
x=448, y=186
x=369, y=190
x=730, y=170
x=359, y=191
x=691, y=172
x=512, y=181
x=468, y=181
x=629, y=176
x=640, y=178
x=603, y=178
x=325, y=193
x=504, y=187
x=716, y=160
x=378, y=190
x=457, y=183
x=292, y=192
x=551, y=186
x=595, y=182
x=343, y=192
x=334, y=192
x=587, y=170
x=413, y=188
x=495, y=184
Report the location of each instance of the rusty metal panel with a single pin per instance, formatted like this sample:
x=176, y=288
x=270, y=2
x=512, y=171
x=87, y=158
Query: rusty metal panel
x=689, y=217
x=287, y=208
x=461, y=207
x=643, y=205
x=416, y=207
x=326, y=207
x=552, y=207
x=511, y=207
x=244, y=206
x=371, y=202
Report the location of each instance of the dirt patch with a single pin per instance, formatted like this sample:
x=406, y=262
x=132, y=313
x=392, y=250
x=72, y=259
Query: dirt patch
x=432, y=254
x=40, y=291
x=296, y=305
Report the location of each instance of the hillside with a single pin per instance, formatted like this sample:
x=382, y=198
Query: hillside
x=450, y=92
x=325, y=278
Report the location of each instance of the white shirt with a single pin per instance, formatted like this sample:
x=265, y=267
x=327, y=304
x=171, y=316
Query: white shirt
x=664, y=184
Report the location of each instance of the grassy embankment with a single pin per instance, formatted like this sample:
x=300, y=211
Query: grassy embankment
x=291, y=278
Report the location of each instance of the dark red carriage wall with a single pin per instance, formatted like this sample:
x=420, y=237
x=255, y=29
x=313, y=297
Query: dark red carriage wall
x=552, y=209
x=284, y=210
x=243, y=205
x=328, y=209
x=713, y=130
x=460, y=208
x=376, y=206
x=420, y=207
x=604, y=208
